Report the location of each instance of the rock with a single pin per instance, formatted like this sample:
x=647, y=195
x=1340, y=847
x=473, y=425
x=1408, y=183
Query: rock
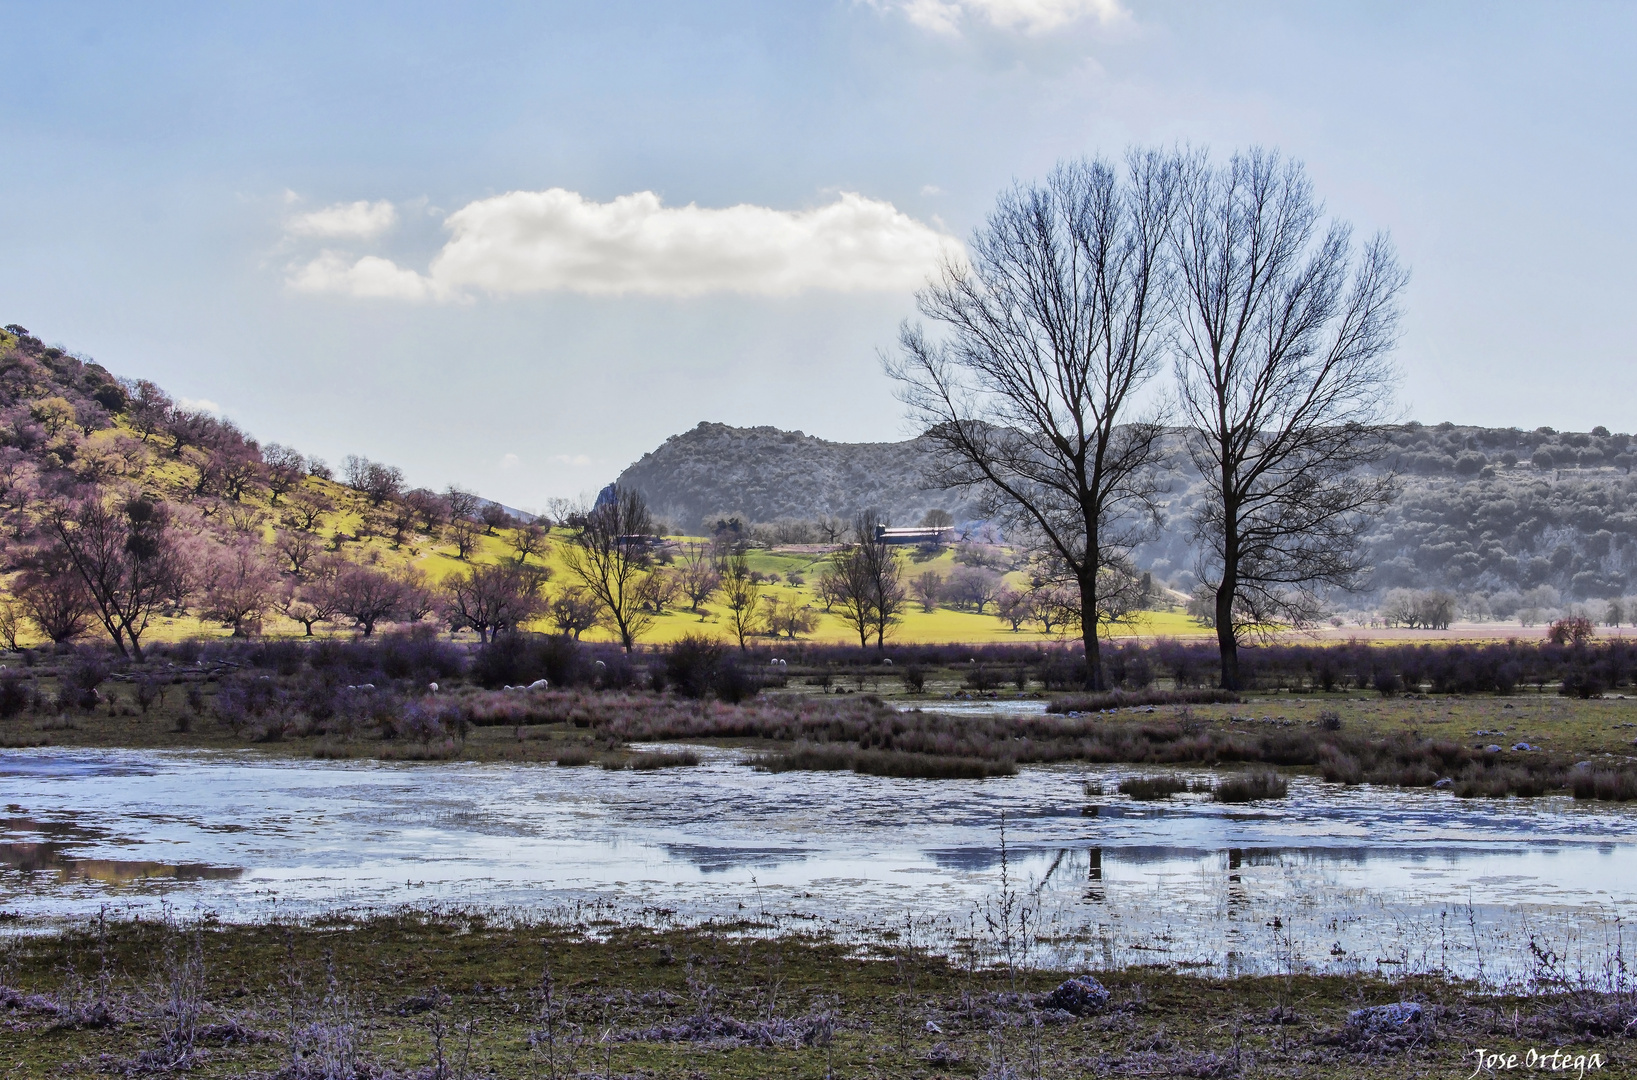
x=1443, y=782
x=1492, y=749
x=933, y=1028
x=1079, y=995
x=1399, y=1014
x=1055, y=1016
x=1523, y=746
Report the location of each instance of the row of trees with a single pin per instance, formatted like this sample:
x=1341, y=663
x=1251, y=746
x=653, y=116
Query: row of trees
x=1040, y=398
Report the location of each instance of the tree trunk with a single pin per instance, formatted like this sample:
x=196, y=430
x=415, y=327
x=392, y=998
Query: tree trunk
x=1094, y=656
x=1226, y=641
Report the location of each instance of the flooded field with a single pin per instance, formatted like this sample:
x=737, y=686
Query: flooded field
x=1329, y=879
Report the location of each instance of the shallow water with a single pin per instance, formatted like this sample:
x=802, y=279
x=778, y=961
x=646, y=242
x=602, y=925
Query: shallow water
x=1328, y=879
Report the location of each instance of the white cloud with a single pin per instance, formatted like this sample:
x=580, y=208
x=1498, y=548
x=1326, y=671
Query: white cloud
x=372, y=277
x=1029, y=16
x=200, y=405
x=509, y=462
x=557, y=240
x=355, y=220
x=571, y=459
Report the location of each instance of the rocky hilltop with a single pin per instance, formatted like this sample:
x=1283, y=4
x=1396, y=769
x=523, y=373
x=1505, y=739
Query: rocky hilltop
x=764, y=474
x=1484, y=512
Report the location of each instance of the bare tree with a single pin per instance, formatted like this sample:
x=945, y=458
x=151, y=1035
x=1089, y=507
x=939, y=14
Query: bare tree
x=429, y=506
x=149, y=409
x=573, y=611
x=786, y=617
x=298, y=548
x=609, y=554
x=127, y=558
x=492, y=599
x=313, y=601
x=832, y=528
x=377, y=481
x=463, y=533
x=367, y=596
x=53, y=595
x=285, y=470
x=12, y=614
x=698, y=574
x=1013, y=607
x=973, y=586
x=530, y=539
x=1282, y=372
x=1053, y=334
x=306, y=507
x=239, y=585
x=741, y=590
x=494, y=516
x=865, y=580
x=927, y=588
x=664, y=586
x=462, y=503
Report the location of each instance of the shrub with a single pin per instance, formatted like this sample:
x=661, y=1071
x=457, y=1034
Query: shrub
x=1386, y=683
x=1152, y=788
x=1607, y=784
x=1263, y=784
x=664, y=760
x=692, y=665
x=14, y=695
x=915, y=678
x=516, y=659
x=1329, y=720
x=572, y=757
x=734, y=685
x=1121, y=699
x=981, y=678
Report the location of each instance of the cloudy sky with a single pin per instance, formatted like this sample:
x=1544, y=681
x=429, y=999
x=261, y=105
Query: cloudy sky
x=515, y=247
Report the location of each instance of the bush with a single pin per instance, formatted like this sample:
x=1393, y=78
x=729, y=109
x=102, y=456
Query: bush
x=1386, y=683
x=981, y=678
x=516, y=659
x=1152, y=788
x=1329, y=720
x=14, y=695
x=915, y=678
x=664, y=760
x=1121, y=699
x=692, y=665
x=1607, y=784
x=1251, y=787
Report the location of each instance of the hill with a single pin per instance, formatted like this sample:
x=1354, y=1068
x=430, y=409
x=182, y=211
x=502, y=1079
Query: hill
x=1489, y=514
x=763, y=474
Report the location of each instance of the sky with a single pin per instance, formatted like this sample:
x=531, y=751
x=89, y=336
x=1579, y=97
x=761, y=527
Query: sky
x=514, y=247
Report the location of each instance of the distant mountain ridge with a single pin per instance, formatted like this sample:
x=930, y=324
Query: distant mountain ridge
x=1484, y=512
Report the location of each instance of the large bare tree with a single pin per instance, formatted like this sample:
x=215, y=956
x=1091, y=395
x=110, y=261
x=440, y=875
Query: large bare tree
x=609, y=554
x=1032, y=396
x=865, y=579
x=1283, y=328
x=126, y=554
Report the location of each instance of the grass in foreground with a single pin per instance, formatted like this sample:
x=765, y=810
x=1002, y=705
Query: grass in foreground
x=449, y=996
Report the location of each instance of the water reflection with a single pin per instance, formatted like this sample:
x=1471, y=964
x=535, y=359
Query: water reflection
x=1335, y=879
x=52, y=858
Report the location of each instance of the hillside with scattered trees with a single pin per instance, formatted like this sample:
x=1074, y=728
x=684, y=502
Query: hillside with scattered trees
x=1500, y=518
x=126, y=514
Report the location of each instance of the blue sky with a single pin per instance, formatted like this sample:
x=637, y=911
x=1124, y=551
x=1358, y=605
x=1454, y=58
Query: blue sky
x=326, y=218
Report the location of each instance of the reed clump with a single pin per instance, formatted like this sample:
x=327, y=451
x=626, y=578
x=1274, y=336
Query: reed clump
x=1251, y=787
